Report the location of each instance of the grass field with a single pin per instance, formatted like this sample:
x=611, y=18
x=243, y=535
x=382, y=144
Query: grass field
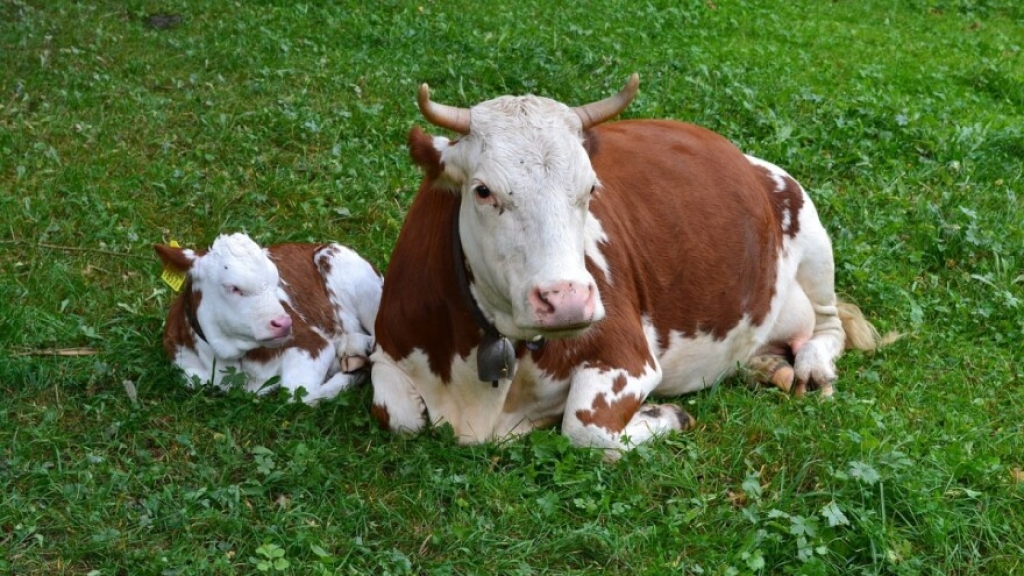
x=905, y=120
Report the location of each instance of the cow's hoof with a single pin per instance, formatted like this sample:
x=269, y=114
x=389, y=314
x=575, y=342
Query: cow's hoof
x=771, y=370
x=676, y=417
x=683, y=417
x=825, y=388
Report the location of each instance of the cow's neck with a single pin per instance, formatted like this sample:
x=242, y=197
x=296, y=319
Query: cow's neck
x=496, y=354
x=190, y=312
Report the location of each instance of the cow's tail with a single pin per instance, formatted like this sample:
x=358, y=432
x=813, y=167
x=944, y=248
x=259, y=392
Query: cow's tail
x=860, y=333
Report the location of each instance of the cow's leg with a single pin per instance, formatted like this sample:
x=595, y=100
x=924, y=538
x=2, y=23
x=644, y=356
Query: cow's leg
x=814, y=364
x=771, y=369
x=773, y=364
x=606, y=409
x=397, y=405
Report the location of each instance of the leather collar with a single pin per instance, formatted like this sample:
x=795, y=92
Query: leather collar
x=495, y=356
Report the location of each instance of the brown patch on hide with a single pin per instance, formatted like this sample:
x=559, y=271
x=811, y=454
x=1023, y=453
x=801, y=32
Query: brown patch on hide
x=619, y=384
x=264, y=355
x=786, y=201
x=613, y=416
x=177, y=331
x=791, y=200
x=323, y=259
x=381, y=414
x=421, y=305
x=693, y=205
x=310, y=305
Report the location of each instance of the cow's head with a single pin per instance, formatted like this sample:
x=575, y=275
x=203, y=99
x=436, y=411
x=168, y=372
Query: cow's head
x=235, y=288
x=525, y=180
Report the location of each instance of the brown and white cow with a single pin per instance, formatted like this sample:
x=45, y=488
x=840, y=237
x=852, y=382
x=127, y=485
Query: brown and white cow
x=296, y=315
x=617, y=261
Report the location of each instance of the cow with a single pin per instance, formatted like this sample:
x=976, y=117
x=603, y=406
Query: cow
x=291, y=315
x=554, y=268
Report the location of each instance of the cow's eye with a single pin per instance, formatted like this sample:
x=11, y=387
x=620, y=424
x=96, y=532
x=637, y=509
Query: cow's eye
x=235, y=290
x=482, y=192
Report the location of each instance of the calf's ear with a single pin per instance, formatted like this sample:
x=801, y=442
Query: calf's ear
x=177, y=259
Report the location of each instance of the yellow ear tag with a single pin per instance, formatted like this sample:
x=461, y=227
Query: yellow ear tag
x=173, y=278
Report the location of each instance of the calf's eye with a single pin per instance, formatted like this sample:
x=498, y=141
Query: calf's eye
x=482, y=192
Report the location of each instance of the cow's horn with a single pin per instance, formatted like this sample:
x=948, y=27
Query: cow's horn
x=596, y=112
x=450, y=117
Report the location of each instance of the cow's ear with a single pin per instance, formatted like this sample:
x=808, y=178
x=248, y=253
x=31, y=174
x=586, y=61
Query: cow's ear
x=426, y=152
x=176, y=259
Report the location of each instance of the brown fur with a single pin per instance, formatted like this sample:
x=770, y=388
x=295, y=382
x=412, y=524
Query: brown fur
x=425, y=309
x=177, y=332
x=612, y=416
x=381, y=415
x=310, y=301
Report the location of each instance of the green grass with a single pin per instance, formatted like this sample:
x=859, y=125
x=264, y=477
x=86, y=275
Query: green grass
x=905, y=120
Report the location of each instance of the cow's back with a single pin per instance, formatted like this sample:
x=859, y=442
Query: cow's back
x=693, y=235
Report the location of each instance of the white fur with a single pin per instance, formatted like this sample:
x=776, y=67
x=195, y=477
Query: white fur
x=238, y=322
x=821, y=341
x=593, y=236
x=541, y=181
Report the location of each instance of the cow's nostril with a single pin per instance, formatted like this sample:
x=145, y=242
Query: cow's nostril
x=540, y=300
x=562, y=304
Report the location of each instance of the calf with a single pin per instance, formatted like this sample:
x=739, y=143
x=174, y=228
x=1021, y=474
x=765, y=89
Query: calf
x=294, y=315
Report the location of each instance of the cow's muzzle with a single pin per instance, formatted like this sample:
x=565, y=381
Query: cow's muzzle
x=563, y=306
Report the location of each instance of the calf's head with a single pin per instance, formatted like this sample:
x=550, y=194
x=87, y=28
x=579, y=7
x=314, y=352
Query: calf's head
x=525, y=181
x=236, y=294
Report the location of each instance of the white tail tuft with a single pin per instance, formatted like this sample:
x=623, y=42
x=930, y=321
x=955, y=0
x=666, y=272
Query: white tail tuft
x=860, y=333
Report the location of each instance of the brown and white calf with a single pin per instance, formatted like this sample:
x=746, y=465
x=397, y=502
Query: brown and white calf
x=557, y=269
x=297, y=315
